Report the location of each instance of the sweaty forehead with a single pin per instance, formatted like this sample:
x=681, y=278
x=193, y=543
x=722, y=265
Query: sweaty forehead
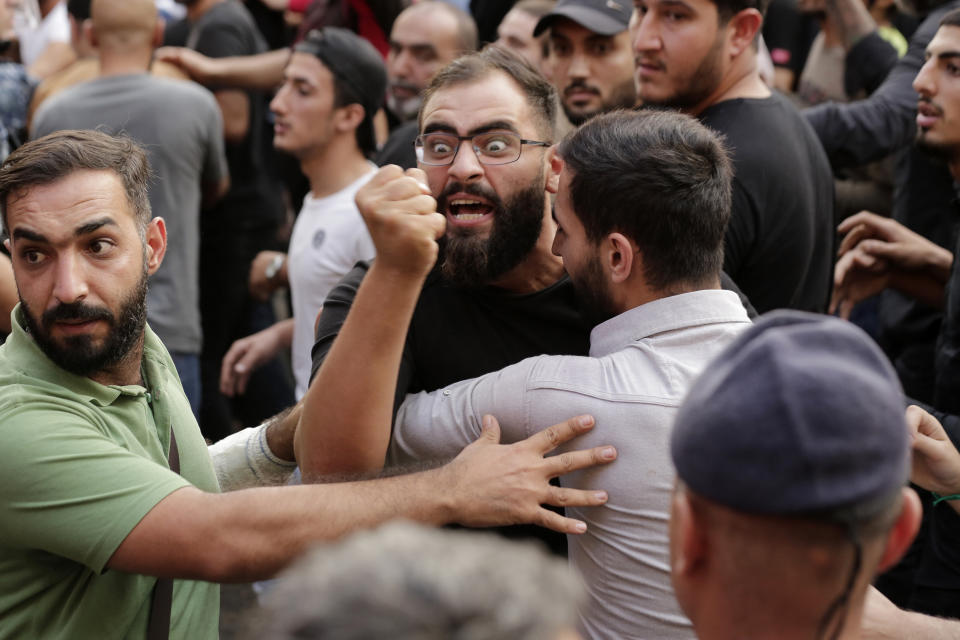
x=469, y=106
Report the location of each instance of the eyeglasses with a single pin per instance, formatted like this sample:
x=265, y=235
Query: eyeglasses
x=492, y=147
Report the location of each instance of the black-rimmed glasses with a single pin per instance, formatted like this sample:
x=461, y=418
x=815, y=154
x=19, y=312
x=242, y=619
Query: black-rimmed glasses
x=492, y=147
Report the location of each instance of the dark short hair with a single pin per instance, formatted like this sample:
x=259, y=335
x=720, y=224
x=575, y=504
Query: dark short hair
x=726, y=9
x=365, y=133
x=79, y=9
x=952, y=19
x=540, y=94
x=660, y=178
x=55, y=156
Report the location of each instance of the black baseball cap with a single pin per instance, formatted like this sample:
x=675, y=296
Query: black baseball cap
x=606, y=17
x=801, y=415
x=353, y=60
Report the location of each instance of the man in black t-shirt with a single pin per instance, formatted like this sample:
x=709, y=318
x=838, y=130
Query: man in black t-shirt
x=700, y=57
x=499, y=294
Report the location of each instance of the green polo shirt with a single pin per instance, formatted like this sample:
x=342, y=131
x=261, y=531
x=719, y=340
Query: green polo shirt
x=80, y=465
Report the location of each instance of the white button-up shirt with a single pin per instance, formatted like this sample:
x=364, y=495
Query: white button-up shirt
x=640, y=366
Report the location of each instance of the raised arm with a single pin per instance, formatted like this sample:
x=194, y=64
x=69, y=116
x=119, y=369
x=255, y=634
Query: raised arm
x=263, y=71
x=347, y=414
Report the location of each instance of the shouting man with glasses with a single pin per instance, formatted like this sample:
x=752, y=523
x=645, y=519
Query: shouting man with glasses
x=648, y=276
x=497, y=294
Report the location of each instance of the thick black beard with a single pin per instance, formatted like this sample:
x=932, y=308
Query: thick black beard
x=592, y=293
x=79, y=355
x=471, y=261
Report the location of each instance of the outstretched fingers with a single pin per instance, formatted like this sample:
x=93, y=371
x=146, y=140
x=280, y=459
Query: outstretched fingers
x=552, y=437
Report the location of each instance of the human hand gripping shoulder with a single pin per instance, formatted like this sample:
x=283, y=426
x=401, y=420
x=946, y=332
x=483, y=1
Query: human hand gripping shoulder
x=492, y=484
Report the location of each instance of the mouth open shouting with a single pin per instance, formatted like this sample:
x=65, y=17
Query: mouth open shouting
x=469, y=206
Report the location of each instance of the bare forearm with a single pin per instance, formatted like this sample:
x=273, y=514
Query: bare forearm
x=263, y=71
x=345, y=427
x=909, y=624
x=281, y=430
x=253, y=533
x=852, y=20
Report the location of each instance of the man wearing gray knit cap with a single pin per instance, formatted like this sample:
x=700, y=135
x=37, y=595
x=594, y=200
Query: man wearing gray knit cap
x=792, y=456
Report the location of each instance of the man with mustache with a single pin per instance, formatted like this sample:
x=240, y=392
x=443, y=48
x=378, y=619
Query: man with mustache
x=879, y=254
x=187, y=154
x=425, y=37
x=700, y=56
x=497, y=294
x=590, y=60
x=648, y=277
x=107, y=483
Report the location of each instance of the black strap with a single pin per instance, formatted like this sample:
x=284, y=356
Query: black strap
x=158, y=625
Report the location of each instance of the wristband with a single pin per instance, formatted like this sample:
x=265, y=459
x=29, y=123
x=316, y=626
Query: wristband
x=274, y=267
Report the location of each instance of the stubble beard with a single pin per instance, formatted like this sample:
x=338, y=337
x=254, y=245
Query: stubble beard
x=703, y=82
x=593, y=295
x=623, y=96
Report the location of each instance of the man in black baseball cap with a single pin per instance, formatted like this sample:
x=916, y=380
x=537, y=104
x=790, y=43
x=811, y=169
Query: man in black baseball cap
x=591, y=61
x=334, y=83
x=792, y=455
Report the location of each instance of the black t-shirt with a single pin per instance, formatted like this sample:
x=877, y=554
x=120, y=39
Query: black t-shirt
x=788, y=34
x=456, y=334
x=254, y=200
x=779, y=246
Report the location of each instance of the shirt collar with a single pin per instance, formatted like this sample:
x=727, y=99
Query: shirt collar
x=682, y=311
x=26, y=356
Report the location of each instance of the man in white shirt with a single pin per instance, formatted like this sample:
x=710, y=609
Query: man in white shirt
x=333, y=85
x=641, y=208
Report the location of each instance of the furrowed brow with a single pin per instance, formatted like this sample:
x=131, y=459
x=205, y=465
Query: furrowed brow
x=94, y=225
x=31, y=236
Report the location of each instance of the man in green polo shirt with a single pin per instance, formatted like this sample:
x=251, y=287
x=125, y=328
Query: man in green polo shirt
x=91, y=406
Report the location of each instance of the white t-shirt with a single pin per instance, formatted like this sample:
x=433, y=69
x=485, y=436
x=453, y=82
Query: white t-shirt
x=55, y=27
x=328, y=238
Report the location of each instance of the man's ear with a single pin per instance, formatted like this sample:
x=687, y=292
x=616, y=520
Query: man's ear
x=158, y=33
x=349, y=117
x=688, y=544
x=744, y=26
x=621, y=256
x=903, y=532
x=89, y=34
x=554, y=167
x=155, y=244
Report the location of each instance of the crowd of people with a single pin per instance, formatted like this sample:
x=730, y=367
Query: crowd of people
x=667, y=288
